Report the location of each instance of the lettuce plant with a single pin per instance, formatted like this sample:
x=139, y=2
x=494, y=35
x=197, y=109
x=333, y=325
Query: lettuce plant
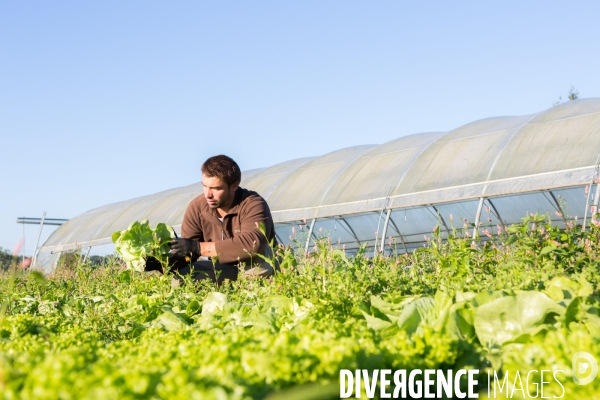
x=138, y=242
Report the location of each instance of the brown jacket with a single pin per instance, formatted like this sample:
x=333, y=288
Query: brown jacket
x=237, y=238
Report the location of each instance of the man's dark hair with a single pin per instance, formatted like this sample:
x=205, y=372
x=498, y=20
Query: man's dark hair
x=224, y=168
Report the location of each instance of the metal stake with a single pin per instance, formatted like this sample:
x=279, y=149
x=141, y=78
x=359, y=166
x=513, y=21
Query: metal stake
x=349, y=229
x=87, y=253
x=558, y=207
x=478, y=217
x=399, y=234
x=37, y=242
x=310, y=231
x=587, y=202
x=385, y=225
x=596, y=200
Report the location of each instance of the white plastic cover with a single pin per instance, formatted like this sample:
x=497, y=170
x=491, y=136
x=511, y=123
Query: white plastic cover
x=539, y=162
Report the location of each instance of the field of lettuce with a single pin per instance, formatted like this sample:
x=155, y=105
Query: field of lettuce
x=526, y=299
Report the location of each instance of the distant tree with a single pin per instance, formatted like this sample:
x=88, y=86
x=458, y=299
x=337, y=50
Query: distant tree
x=68, y=259
x=99, y=261
x=7, y=259
x=573, y=95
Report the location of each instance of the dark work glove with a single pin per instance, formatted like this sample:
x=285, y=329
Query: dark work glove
x=185, y=248
x=175, y=263
x=152, y=264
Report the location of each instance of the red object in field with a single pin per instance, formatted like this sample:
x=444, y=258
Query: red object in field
x=18, y=247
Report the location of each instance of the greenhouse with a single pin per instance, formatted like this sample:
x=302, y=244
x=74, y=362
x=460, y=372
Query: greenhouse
x=490, y=172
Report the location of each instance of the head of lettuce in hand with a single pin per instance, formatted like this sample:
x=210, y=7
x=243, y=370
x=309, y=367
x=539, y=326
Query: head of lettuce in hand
x=143, y=248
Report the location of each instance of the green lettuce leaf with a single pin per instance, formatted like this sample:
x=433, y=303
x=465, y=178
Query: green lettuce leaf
x=506, y=318
x=139, y=241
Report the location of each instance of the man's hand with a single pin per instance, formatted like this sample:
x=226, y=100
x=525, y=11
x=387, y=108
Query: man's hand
x=185, y=248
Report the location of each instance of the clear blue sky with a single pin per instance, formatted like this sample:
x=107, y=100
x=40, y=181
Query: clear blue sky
x=103, y=101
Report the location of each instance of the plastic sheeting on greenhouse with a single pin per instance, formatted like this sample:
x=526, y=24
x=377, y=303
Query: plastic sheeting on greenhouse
x=492, y=171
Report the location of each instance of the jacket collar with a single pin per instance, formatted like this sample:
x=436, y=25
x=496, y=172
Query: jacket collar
x=237, y=199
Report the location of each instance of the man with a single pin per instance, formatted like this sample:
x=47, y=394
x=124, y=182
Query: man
x=222, y=224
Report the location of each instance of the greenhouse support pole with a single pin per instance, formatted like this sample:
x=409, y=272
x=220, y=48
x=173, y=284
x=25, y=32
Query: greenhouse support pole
x=587, y=202
x=400, y=234
x=496, y=212
x=438, y=216
x=378, y=226
x=310, y=231
x=558, y=207
x=477, y=217
x=385, y=225
x=596, y=200
x=37, y=242
x=87, y=253
x=350, y=230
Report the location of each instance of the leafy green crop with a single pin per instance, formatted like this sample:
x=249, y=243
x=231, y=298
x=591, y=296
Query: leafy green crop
x=506, y=304
x=139, y=241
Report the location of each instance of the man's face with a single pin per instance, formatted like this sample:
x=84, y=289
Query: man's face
x=218, y=194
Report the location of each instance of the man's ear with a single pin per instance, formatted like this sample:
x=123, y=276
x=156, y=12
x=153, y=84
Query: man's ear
x=235, y=185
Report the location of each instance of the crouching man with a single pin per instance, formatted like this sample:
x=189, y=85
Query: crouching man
x=222, y=224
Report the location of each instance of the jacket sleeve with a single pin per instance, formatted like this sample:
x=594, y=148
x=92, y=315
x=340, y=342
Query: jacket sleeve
x=191, y=227
x=250, y=241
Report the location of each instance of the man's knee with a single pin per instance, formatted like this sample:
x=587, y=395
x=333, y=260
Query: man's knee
x=203, y=270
